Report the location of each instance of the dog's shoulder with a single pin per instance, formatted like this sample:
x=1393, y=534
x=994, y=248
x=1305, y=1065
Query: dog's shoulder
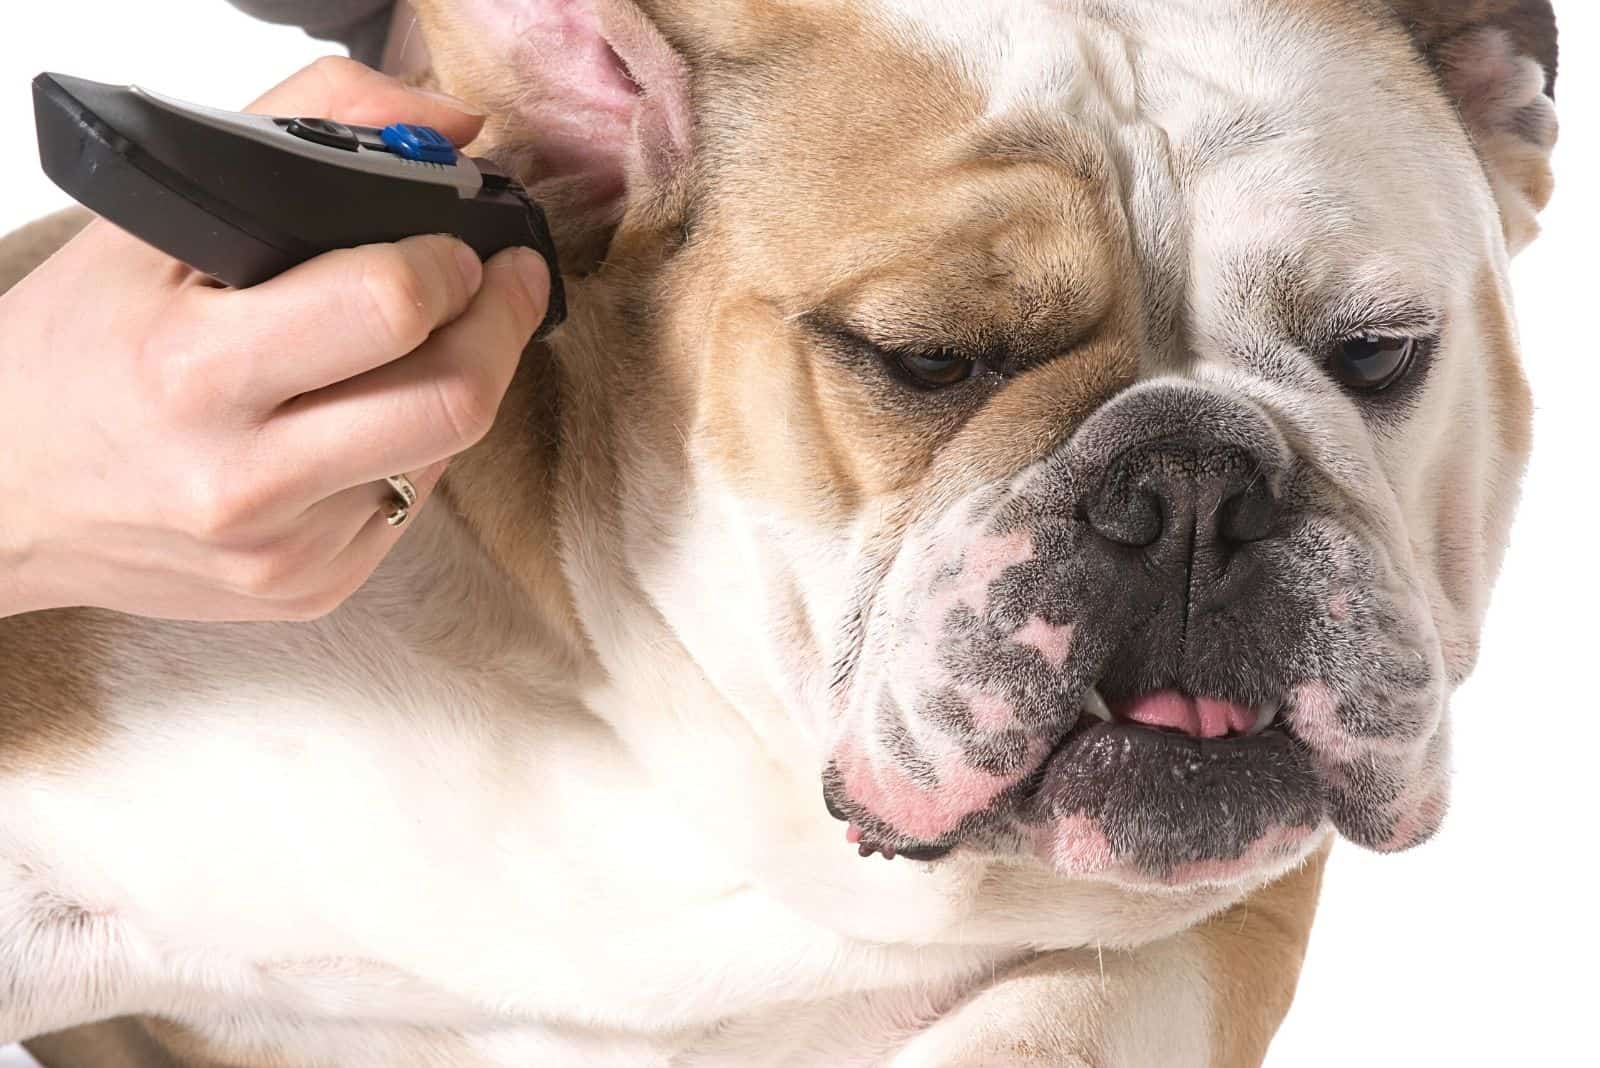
x=436, y=618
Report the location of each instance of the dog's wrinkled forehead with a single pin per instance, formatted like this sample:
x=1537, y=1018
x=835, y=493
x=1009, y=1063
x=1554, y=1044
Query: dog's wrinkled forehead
x=1200, y=145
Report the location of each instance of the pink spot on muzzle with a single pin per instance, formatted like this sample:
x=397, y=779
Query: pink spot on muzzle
x=981, y=564
x=1419, y=820
x=1053, y=642
x=925, y=812
x=990, y=554
x=1314, y=714
x=989, y=713
x=1077, y=846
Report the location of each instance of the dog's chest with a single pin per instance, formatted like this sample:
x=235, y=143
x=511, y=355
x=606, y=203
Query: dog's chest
x=312, y=830
x=319, y=877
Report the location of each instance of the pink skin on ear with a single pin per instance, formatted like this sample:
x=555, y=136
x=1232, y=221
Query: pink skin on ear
x=1490, y=81
x=602, y=96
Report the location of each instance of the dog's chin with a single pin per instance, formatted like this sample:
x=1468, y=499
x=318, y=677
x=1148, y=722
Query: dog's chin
x=1124, y=803
x=1145, y=807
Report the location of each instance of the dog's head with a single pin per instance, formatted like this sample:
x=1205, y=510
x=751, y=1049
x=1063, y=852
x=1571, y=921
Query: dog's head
x=1097, y=422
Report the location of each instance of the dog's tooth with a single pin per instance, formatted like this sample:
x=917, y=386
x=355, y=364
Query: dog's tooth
x=1095, y=705
x=1265, y=714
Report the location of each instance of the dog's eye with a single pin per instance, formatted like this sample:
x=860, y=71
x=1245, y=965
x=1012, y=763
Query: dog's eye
x=1369, y=363
x=934, y=371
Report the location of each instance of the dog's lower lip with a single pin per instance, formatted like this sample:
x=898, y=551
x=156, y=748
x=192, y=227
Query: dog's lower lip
x=1164, y=800
x=833, y=809
x=866, y=846
x=1095, y=718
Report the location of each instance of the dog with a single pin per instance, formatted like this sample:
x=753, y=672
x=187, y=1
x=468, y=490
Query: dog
x=1017, y=482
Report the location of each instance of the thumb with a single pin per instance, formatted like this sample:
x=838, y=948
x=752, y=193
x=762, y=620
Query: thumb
x=338, y=88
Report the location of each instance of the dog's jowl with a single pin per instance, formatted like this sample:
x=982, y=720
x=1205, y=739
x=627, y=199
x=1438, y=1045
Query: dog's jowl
x=1064, y=448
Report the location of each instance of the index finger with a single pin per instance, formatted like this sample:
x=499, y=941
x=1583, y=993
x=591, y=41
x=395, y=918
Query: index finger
x=338, y=88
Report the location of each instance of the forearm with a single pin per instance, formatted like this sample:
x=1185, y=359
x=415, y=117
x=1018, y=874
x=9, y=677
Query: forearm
x=20, y=252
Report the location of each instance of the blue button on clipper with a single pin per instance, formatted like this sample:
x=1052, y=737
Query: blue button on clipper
x=421, y=143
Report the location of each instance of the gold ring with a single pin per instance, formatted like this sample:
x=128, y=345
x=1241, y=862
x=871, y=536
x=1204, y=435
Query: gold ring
x=398, y=509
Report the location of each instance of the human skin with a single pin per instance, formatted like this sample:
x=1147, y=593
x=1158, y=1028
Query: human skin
x=173, y=448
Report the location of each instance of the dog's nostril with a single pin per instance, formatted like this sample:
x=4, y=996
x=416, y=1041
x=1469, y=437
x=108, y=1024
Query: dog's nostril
x=1134, y=516
x=1182, y=498
x=1247, y=515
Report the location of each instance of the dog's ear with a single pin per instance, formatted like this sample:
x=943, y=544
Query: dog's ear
x=588, y=105
x=1497, y=62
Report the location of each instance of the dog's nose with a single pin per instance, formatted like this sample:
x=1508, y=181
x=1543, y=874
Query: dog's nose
x=1187, y=502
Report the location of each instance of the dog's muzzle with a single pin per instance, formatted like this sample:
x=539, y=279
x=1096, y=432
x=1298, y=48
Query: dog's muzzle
x=1163, y=655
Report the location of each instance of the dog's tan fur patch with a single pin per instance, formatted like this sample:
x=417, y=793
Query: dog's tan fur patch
x=1509, y=394
x=946, y=243
x=1255, y=950
x=49, y=685
x=121, y=1043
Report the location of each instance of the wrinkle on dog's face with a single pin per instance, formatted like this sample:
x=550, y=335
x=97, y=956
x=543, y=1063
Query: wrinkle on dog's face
x=1151, y=226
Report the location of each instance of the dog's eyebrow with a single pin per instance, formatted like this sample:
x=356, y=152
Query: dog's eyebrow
x=887, y=336
x=972, y=336
x=1318, y=309
x=1357, y=310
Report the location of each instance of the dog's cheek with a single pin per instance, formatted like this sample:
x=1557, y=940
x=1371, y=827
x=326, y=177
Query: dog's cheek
x=1370, y=695
x=784, y=426
x=928, y=736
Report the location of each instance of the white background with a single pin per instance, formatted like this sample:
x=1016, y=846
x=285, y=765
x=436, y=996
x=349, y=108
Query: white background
x=1480, y=948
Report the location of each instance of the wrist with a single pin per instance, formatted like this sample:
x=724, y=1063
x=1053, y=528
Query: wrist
x=20, y=552
x=21, y=544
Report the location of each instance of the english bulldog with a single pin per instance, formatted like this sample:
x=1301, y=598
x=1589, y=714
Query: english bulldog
x=1057, y=449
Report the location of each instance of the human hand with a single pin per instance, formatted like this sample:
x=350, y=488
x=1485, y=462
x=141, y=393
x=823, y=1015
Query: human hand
x=172, y=448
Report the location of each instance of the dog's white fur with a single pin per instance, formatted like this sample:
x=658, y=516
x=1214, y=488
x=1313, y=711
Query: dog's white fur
x=415, y=833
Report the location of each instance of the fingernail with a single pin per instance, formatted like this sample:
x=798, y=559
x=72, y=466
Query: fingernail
x=455, y=103
x=534, y=275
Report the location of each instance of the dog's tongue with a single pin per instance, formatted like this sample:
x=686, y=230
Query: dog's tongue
x=1198, y=717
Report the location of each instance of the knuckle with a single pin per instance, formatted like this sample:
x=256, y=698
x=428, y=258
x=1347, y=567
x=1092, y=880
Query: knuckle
x=468, y=401
x=334, y=65
x=265, y=573
x=181, y=381
x=329, y=594
x=222, y=505
x=335, y=71
x=309, y=608
x=394, y=299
